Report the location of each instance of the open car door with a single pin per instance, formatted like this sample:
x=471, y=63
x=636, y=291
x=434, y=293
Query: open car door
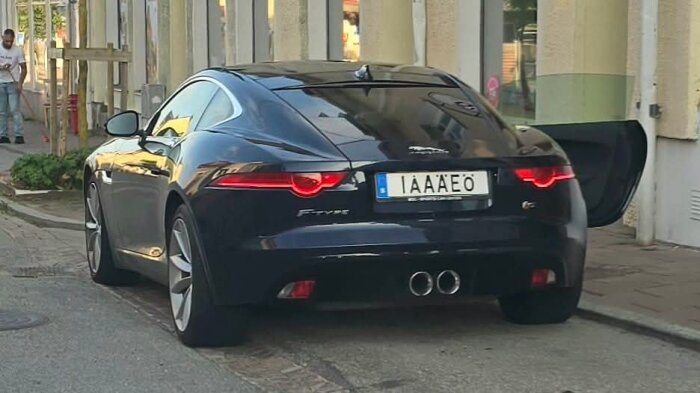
x=608, y=159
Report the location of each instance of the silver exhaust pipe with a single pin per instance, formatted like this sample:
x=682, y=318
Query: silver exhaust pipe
x=420, y=284
x=448, y=282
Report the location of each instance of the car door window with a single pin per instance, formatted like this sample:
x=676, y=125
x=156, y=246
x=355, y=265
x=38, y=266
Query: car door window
x=179, y=116
x=219, y=109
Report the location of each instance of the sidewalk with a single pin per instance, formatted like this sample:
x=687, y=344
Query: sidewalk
x=660, y=281
x=35, y=144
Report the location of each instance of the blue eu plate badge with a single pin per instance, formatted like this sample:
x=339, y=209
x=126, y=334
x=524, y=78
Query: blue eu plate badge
x=382, y=189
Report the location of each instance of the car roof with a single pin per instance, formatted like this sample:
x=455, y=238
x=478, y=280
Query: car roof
x=276, y=75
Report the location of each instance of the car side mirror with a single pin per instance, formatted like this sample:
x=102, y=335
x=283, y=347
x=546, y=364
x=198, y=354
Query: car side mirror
x=124, y=124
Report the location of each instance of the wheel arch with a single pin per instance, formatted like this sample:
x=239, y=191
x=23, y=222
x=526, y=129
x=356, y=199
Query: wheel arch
x=87, y=174
x=174, y=200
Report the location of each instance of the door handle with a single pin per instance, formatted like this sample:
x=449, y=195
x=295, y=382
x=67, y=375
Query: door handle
x=158, y=172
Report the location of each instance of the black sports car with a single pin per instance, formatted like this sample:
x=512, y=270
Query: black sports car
x=334, y=182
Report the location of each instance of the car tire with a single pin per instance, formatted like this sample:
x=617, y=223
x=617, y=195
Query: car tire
x=552, y=305
x=200, y=323
x=97, y=244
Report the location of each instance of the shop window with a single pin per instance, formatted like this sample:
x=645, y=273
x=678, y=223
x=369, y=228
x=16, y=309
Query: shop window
x=59, y=33
x=271, y=27
x=22, y=33
x=38, y=23
x=351, y=30
x=151, y=41
x=518, y=87
x=39, y=42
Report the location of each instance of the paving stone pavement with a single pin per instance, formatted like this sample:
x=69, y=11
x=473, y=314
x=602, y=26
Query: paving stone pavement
x=661, y=281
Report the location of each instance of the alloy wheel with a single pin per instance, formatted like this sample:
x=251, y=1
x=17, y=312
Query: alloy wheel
x=93, y=228
x=180, y=274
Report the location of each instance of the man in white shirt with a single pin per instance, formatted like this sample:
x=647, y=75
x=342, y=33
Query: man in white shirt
x=13, y=71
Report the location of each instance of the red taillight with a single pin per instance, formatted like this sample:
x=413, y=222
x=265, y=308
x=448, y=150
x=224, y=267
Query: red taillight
x=302, y=184
x=545, y=177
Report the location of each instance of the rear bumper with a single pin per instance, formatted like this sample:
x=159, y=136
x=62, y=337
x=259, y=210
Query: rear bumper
x=372, y=262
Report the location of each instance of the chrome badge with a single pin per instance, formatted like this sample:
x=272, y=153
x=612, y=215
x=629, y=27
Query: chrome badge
x=426, y=150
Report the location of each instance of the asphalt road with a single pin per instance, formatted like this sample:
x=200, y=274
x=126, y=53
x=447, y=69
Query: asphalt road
x=119, y=340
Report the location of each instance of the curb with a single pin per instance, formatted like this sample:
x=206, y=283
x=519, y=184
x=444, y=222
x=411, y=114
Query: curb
x=38, y=218
x=6, y=189
x=641, y=324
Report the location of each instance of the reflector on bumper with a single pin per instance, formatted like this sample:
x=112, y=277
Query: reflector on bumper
x=297, y=290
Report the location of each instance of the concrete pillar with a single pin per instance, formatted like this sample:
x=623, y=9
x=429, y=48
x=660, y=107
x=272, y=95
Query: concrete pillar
x=97, y=82
x=317, y=22
x=232, y=34
x=469, y=41
x=581, y=60
x=200, y=51
x=239, y=32
x=179, y=50
x=441, y=38
x=7, y=16
x=386, y=31
x=164, y=66
x=137, y=46
x=291, y=34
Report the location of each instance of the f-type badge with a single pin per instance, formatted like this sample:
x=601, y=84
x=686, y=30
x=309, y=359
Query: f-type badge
x=423, y=150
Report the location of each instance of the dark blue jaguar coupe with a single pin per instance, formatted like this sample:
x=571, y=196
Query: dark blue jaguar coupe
x=343, y=183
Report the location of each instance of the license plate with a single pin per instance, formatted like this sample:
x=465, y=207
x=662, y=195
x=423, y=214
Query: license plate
x=427, y=186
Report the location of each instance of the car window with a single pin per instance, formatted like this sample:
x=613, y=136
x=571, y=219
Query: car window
x=219, y=109
x=417, y=114
x=179, y=116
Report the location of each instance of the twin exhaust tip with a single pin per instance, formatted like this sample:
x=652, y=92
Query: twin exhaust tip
x=446, y=282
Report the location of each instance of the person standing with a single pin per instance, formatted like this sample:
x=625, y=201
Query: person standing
x=13, y=71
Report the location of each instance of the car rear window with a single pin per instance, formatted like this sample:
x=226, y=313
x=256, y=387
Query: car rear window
x=345, y=114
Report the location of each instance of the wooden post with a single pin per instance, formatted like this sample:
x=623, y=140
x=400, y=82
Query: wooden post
x=110, y=82
x=65, y=114
x=124, y=82
x=53, y=104
x=82, y=76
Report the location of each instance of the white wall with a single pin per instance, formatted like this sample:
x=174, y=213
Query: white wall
x=678, y=192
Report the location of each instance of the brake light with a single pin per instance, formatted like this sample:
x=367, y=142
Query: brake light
x=544, y=177
x=302, y=184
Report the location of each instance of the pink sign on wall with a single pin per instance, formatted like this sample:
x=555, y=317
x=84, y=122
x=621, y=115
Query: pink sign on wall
x=493, y=90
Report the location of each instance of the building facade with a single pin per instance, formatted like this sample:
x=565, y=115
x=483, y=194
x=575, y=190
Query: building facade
x=538, y=61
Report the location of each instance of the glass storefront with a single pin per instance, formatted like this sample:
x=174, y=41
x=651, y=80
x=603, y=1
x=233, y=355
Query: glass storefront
x=510, y=58
x=38, y=23
x=351, y=30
